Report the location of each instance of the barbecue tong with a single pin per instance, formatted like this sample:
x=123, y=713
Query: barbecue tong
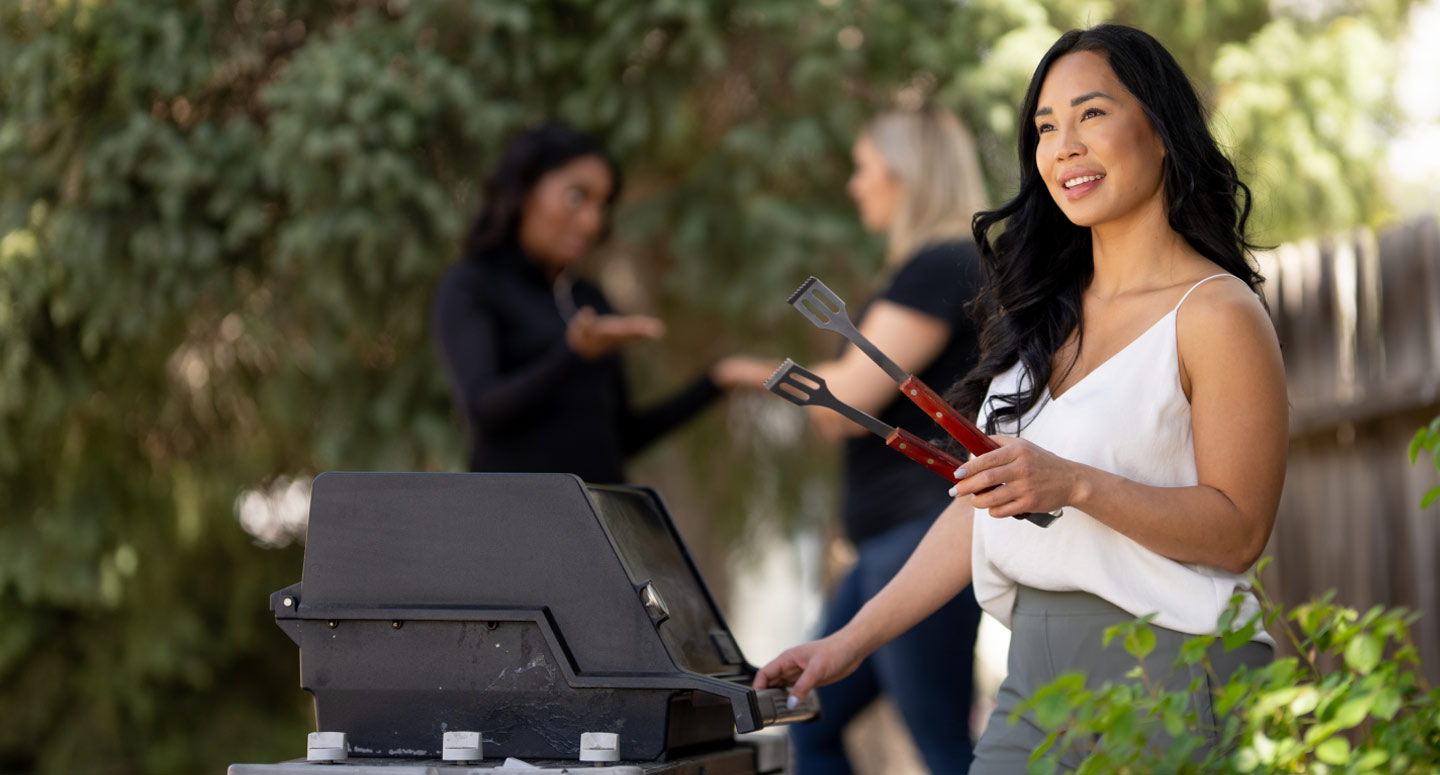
x=826, y=309
x=803, y=387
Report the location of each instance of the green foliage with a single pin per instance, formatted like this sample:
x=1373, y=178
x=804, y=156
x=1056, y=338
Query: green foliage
x=220, y=223
x=1427, y=439
x=1309, y=112
x=1353, y=700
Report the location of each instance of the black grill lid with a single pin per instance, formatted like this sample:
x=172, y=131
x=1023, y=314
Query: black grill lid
x=598, y=573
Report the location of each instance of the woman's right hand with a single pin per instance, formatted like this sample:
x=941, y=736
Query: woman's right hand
x=593, y=336
x=743, y=372
x=809, y=665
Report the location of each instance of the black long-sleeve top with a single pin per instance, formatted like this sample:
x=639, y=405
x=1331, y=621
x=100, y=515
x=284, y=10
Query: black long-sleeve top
x=531, y=403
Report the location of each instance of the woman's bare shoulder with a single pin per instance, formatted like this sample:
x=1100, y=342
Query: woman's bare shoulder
x=1224, y=325
x=1223, y=301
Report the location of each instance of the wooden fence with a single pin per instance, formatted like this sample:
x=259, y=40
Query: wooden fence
x=1359, y=322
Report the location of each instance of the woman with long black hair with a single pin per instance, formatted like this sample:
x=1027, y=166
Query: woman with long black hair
x=1135, y=380
x=532, y=349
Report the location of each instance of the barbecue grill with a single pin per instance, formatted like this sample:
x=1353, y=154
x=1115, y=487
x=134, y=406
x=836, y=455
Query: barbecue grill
x=530, y=608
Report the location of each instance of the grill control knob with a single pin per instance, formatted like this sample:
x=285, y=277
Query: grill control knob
x=463, y=747
x=326, y=747
x=599, y=747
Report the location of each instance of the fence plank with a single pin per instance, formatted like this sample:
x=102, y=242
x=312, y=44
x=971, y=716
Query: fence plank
x=1359, y=322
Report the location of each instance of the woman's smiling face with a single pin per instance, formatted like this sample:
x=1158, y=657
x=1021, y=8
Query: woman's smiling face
x=1101, y=159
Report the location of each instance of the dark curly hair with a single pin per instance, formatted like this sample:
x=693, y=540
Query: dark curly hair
x=526, y=159
x=1035, y=271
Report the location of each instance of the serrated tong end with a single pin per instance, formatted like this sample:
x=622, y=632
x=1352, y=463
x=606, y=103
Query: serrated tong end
x=795, y=383
x=805, y=286
x=821, y=306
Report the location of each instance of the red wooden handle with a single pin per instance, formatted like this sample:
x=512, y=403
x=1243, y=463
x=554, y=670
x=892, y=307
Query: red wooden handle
x=960, y=428
x=948, y=417
x=927, y=454
x=938, y=460
x=930, y=456
x=922, y=452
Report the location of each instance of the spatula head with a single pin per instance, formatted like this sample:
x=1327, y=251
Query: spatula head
x=820, y=305
x=798, y=385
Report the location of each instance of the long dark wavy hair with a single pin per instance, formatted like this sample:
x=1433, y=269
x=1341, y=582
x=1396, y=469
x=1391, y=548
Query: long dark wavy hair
x=526, y=159
x=1034, y=272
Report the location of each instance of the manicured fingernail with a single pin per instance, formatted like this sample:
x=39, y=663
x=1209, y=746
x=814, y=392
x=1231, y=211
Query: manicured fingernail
x=959, y=473
x=953, y=492
x=791, y=702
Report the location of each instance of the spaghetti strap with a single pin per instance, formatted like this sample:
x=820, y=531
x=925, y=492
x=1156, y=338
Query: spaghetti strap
x=1197, y=285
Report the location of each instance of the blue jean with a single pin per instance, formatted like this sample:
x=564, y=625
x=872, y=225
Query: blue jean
x=928, y=671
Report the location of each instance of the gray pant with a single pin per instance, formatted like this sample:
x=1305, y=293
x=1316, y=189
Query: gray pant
x=1053, y=632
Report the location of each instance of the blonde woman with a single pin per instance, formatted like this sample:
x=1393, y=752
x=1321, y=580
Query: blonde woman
x=916, y=180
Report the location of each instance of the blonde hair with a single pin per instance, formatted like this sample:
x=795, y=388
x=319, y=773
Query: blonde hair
x=934, y=156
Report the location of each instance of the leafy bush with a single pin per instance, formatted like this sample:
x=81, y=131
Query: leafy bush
x=1353, y=700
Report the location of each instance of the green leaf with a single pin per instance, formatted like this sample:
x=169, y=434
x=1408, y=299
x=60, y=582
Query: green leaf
x=1319, y=732
x=1194, y=650
x=1352, y=712
x=1240, y=636
x=1430, y=497
x=1139, y=642
x=1173, y=715
x=1112, y=632
x=1246, y=759
x=1363, y=652
x=1264, y=747
x=1230, y=695
x=1416, y=444
x=1387, y=703
x=1306, y=699
x=1336, y=750
x=1227, y=616
x=1043, y=766
x=1071, y=681
x=1371, y=761
x=1045, y=745
x=1274, y=700
x=1051, y=709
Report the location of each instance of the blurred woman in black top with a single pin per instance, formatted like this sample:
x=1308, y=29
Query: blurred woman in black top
x=531, y=349
x=917, y=180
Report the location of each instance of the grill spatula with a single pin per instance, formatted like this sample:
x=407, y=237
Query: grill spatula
x=826, y=309
x=803, y=387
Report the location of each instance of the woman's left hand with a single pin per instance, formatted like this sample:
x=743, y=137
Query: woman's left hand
x=1035, y=481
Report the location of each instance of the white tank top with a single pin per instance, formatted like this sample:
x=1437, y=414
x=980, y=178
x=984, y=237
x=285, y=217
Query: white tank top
x=1129, y=417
